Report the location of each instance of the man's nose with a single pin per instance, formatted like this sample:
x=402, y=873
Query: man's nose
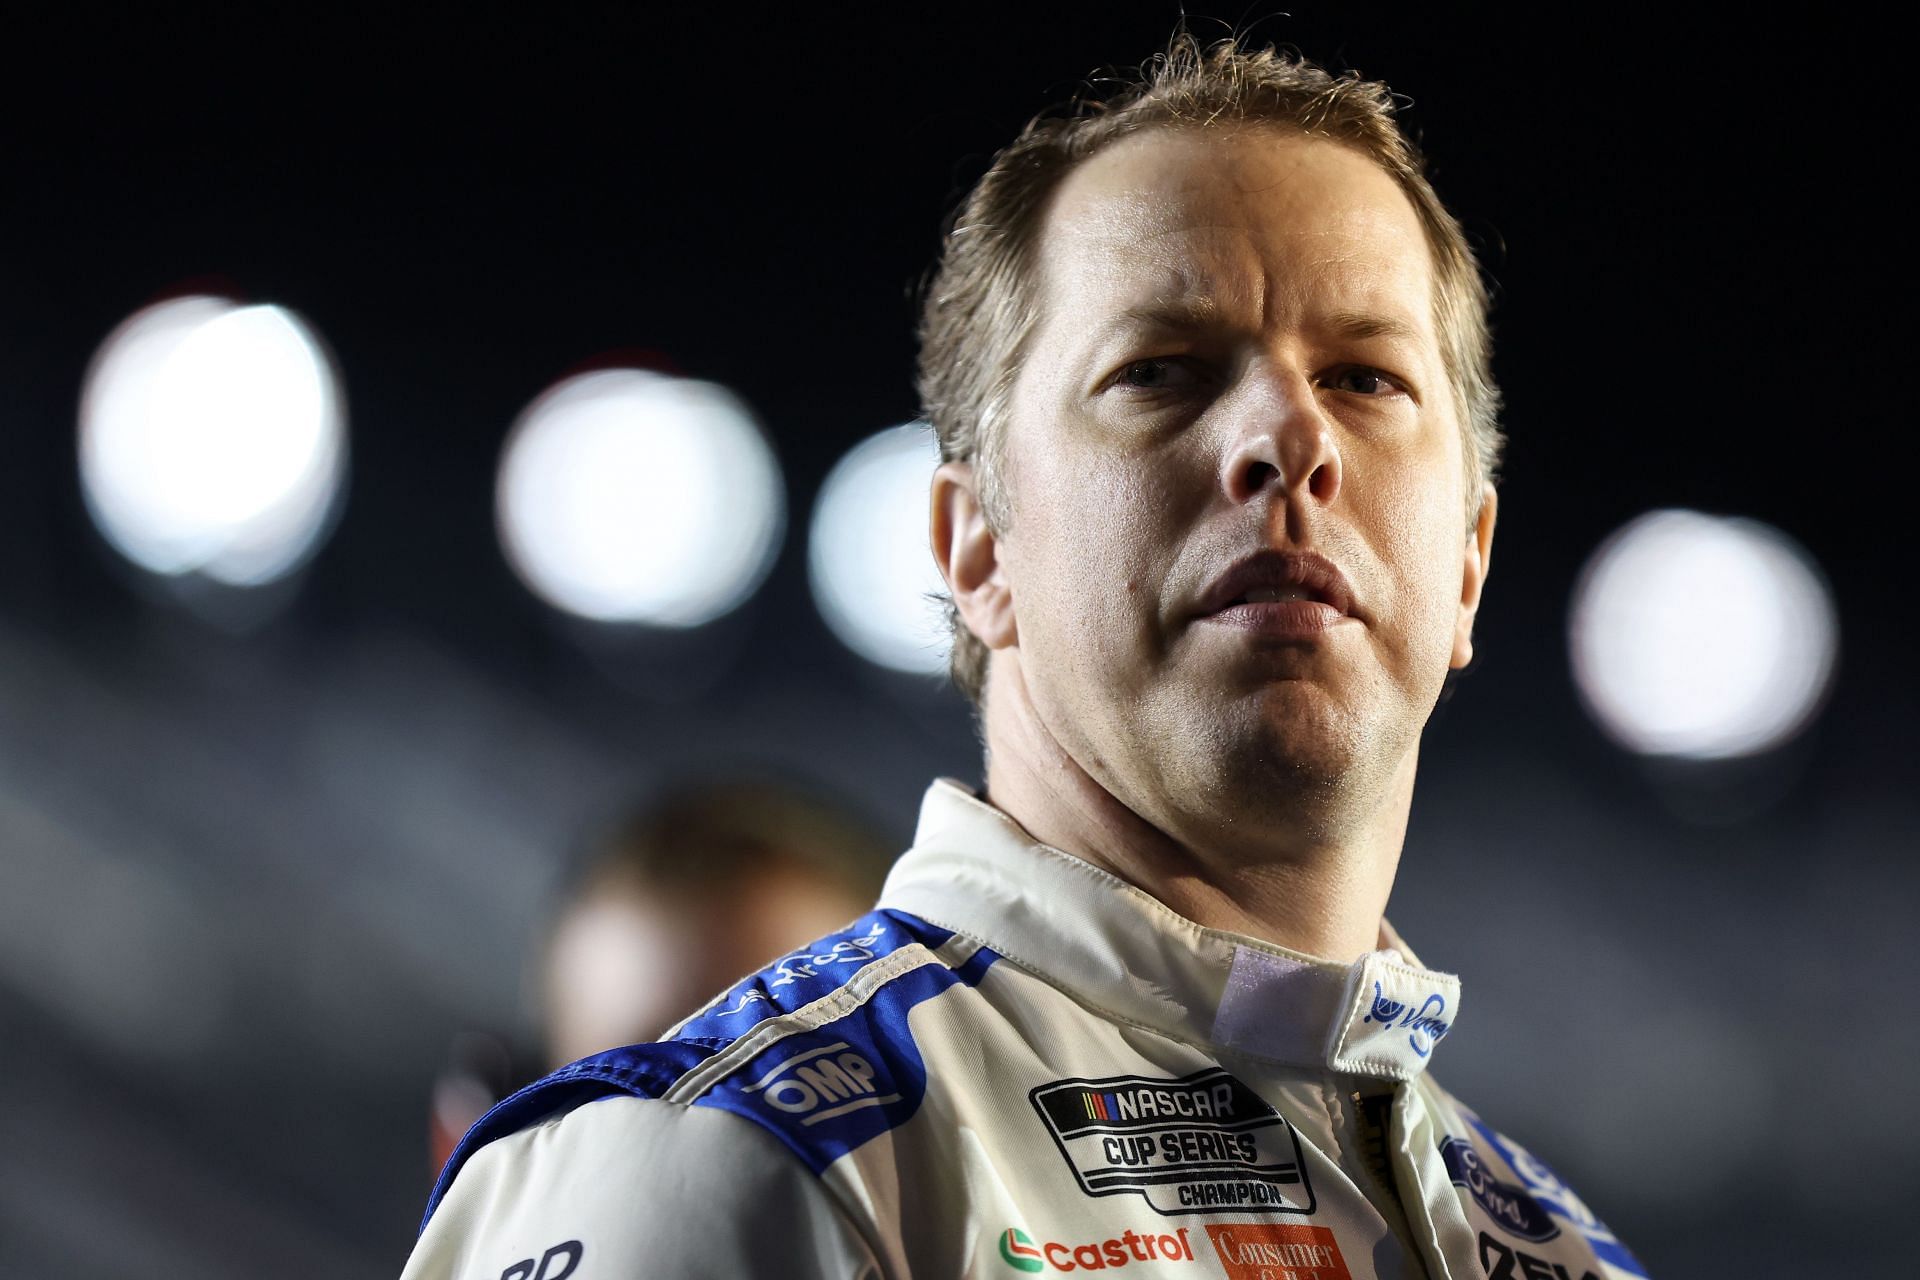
x=1282, y=440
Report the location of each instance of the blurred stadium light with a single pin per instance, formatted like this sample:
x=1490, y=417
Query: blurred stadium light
x=213, y=440
x=1701, y=637
x=867, y=556
x=631, y=496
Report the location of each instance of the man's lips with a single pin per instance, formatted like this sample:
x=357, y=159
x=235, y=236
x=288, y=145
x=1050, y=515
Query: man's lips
x=1283, y=592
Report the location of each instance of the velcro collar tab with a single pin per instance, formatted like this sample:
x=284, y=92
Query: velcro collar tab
x=1394, y=1015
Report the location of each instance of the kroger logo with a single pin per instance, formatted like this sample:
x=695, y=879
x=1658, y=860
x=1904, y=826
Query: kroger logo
x=821, y=1084
x=1424, y=1025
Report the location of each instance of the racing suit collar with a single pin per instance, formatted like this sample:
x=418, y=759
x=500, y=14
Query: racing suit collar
x=973, y=870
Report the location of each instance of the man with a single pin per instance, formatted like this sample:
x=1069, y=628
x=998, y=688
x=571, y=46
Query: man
x=1209, y=366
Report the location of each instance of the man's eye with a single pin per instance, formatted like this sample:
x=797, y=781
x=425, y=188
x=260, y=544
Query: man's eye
x=1154, y=375
x=1363, y=381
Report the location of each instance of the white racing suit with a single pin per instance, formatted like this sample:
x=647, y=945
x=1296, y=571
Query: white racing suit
x=1018, y=1065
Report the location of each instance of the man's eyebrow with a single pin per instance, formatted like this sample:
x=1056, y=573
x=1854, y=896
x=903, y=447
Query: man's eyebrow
x=1192, y=311
x=1202, y=311
x=1368, y=324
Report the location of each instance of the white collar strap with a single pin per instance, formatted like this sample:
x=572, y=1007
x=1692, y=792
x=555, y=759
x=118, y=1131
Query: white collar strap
x=972, y=869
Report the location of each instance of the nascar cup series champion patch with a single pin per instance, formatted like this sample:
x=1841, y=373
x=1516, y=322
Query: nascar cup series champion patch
x=1204, y=1141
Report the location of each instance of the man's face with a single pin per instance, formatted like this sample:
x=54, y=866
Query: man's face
x=1238, y=553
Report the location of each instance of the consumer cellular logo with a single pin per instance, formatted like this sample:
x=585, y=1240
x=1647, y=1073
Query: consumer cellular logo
x=1270, y=1251
x=1021, y=1252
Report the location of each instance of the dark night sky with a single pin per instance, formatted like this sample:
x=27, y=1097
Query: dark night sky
x=1681, y=216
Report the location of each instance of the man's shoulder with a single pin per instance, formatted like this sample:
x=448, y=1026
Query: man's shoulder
x=1517, y=1191
x=635, y=1186
x=814, y=1048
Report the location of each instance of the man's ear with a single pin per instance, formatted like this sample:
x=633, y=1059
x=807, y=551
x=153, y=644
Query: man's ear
x=1473, y=579
x=968, y=553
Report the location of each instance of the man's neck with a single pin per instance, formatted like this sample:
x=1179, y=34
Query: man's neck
x=1318, y=893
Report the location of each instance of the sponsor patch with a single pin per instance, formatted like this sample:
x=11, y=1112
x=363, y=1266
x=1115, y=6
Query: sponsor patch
x=1202, y=1143
x=1017, y=1250
x=1559, y=1200
x=1275, y=1251
x=815, y=967
x=556, y=1263
x=1396, y=1014
x=823, y=1083
x=1502, y=1263
x=1512, y=1209
x=1020, y=1251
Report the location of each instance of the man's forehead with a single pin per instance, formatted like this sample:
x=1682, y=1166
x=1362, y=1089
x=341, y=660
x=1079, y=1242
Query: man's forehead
x=1193, y=219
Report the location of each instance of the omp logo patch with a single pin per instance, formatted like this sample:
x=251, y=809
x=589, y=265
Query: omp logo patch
x=1271, y=1251
x=1201, y=1142
x=1019, y=1251
x=1510, y=1207
x=823, y=1083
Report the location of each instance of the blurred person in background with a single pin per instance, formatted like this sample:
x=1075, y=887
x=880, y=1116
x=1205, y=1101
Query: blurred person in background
x=1210, y=369
x=688, y=894
x=673, y=901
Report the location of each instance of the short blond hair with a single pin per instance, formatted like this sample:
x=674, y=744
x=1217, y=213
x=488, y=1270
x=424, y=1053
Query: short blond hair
x=980, y=309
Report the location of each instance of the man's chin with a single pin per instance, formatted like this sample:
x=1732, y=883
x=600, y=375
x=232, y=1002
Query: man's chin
x=1291, y=737
x=1304, y=716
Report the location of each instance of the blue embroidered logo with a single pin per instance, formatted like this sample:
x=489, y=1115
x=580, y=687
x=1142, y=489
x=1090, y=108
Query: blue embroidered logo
x=1559, y=1200
x=1424, y=1025
x=804, y=964
x=1516, y=1212
x=807, y=963
x=752, y=995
